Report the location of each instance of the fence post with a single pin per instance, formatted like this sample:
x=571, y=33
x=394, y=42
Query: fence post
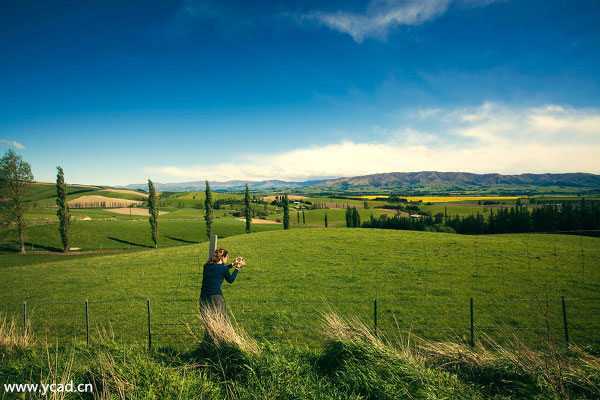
x=472, y=334
x=375, y=315
x=213, y=245
x=564, y=309
x=87, y=324
x=149, y=326
x=25, y=319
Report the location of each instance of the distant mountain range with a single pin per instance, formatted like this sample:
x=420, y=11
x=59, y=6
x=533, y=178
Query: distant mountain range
x=229, y=185
x=426, y=181
x=407, y=180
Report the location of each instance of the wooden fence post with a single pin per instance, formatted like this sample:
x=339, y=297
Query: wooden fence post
x=149, y=326
x=87, y=324
x=25, y=319
x=564, y=310
x=213, y=245
x=472, y=333
x=375, y=315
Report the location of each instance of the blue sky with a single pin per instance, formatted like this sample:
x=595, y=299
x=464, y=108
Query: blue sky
x=118, y=92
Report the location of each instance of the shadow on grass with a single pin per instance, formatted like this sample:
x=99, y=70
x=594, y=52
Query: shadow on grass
x=37, y=246
x=130, y=243
x=181, y=240
x=226, y=360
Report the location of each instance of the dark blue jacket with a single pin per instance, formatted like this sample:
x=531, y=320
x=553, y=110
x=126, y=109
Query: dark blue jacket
x=212, y=278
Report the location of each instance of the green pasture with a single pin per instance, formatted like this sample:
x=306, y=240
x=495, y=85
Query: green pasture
x=335, y=216
x=80, y=192
x=461, y=210
x=201, y=195
x=37, y=214
x=422, y=282
x=37, y=192
x=125, y=234
x=343, y=202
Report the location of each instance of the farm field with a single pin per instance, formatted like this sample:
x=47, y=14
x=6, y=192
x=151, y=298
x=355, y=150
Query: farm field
x=422, y=282
x=446, y=199
x=335, y=217
x=125, y=234
x=42, y=214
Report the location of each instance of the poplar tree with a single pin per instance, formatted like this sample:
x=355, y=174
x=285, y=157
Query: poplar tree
x=208, y=214
x=153, y=210
x=355, y=218
x=298, y=217
x=63, y=212
x=15, y=174
x=326, y=220
x=348, y=217
x=303, y=218
x=247, y=210
x=286, y=212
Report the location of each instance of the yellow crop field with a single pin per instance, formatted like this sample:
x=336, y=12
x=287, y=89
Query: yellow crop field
x=447, y=199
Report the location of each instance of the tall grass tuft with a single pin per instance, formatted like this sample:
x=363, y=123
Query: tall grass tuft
x=12, y=334
x=219, y=331
x=371, y=367
x=58, y=371
x=417, y=367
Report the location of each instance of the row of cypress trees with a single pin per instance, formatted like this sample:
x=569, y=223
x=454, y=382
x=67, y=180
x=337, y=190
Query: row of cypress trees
x=208, y=208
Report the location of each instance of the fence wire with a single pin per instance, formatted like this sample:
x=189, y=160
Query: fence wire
x=411, y=285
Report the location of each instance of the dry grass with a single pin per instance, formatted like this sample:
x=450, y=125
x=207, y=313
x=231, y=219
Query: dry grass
x=219, y=331
x=352, y=330
x=59, y=372
x=566, y=374
x=95, y=201
x=111, y=377
x=11, y=332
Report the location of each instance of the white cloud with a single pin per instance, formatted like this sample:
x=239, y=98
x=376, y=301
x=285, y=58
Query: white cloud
x=501, y=139
x=381, y=16
x=12, y=143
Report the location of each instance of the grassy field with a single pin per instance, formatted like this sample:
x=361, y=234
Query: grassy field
x=125, y=234
x=335, y=217
x=422, y=282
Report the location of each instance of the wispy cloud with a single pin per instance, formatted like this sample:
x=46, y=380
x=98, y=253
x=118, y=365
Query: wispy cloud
x=382, y=16
x=12, y=143
x=484, y=139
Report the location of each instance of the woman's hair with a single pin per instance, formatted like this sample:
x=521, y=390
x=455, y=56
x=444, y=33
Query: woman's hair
x=217, y=256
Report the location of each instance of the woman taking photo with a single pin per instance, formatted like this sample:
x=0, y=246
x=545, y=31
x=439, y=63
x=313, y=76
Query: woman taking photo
x=215, y=270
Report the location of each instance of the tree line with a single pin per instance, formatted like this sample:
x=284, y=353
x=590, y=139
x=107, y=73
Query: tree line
x=582, y=217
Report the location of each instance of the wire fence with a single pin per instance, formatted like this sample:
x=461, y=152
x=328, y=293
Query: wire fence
x=439, y=287
x=177, y=321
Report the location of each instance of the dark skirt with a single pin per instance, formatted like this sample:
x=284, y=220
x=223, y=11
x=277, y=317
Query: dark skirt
x=215, y=302
x=212, y=310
